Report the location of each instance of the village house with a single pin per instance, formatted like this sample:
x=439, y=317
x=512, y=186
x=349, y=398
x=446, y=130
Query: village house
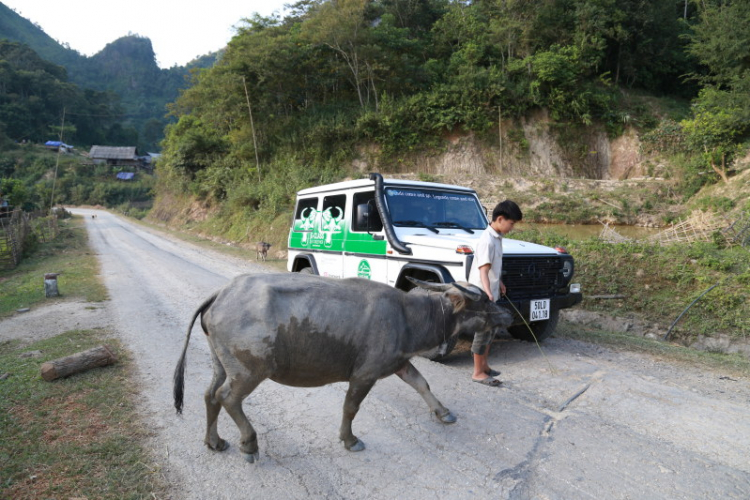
x=122, y=156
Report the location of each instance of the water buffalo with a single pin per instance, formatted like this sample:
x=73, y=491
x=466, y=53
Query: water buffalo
x=308, y=331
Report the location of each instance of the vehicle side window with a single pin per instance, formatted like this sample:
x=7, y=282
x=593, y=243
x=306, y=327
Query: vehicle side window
x=366, y=198
x=335, y=205
x=334, y=208
x=305, y=215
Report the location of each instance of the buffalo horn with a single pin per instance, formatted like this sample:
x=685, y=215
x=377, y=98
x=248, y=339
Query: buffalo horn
x=442, y=287
x=469, y=293
x=427, y=285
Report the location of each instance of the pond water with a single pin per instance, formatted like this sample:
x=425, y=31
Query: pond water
x=584, y=231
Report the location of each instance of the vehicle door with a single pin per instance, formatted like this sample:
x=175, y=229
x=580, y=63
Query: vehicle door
x=365, y=247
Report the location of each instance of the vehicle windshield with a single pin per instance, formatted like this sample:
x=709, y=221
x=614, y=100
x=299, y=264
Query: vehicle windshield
x=432, y=208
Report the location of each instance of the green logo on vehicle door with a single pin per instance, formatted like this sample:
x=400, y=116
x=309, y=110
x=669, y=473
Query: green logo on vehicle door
x=363, y=270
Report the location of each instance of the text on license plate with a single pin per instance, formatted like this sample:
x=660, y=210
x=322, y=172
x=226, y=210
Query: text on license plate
x=539, y=310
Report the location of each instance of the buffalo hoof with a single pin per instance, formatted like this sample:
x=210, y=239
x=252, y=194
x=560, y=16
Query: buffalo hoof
x=221, y=445
x=251, y=457
x=447, y=417
x=357, y=446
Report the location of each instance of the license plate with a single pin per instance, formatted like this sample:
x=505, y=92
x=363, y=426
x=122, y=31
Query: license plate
x=539, y=310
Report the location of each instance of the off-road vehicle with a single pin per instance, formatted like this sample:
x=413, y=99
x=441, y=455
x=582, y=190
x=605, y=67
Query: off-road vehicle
x=386, y=230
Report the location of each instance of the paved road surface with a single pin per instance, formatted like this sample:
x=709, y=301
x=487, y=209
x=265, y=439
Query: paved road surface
x=578, y=421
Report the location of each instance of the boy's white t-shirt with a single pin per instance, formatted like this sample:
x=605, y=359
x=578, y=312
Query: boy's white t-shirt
x=489, y=250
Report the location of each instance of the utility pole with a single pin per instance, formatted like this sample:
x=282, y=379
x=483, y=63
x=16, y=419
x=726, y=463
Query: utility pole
x=500, y=132
x=252, y=127
x=57, y=162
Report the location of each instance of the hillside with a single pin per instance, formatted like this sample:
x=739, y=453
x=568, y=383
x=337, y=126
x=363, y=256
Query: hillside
x=19, y=29
x=126, y=68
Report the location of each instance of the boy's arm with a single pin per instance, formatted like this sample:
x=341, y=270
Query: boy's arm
x=484, y=275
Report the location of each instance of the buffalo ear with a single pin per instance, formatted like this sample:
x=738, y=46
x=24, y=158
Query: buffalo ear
x=458, y=299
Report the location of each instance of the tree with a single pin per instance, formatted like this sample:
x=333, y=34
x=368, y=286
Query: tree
x=720, y=118
x=721, y=113
x=340, y=26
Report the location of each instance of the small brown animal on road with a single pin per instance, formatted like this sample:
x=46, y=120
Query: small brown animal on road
x=261, y=250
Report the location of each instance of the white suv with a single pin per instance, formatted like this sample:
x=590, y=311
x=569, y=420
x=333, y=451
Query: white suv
x=386, y=230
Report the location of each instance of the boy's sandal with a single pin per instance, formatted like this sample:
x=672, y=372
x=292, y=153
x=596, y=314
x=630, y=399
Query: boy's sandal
x=492, y=373
x=492, y=382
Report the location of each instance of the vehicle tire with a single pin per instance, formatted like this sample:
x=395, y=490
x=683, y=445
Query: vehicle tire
x=437, y=353
x=542, y=329
x=306, y=270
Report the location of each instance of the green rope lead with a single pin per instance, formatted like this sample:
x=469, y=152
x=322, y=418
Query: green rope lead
x=551, y=368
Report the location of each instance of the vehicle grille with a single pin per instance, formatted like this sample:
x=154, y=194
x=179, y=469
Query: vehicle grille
x=534, y=277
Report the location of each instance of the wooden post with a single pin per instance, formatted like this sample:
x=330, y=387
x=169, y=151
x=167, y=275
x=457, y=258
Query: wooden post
x=82, y=361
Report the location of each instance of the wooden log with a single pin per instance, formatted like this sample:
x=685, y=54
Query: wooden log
x=79, y=362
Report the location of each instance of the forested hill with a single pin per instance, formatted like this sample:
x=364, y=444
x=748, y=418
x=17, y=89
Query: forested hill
x=19, y=29
x=125, y=69
x=386, y=84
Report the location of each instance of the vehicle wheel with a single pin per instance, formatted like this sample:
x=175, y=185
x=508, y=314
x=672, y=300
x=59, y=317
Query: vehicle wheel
x=306, y=270
x=442, y=351
x=542, y=329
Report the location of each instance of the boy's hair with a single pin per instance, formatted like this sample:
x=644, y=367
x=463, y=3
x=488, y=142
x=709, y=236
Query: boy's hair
x=507, y=209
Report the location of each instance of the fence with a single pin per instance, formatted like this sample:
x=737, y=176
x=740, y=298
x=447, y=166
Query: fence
x=699, y=226
x=17, y=230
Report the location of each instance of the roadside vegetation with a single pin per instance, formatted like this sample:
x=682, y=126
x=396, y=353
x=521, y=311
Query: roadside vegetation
x=78, y=437
x=657, y=283
x=32, y=176
x=69, y=255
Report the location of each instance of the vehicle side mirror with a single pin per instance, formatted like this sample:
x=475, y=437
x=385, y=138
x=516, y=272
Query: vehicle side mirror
x=367, y=218
x=363, y=215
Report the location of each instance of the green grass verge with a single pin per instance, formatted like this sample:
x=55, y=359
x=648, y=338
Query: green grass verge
x=68, y=254
x=657, y=283
x=77, y=437
x=239, y=251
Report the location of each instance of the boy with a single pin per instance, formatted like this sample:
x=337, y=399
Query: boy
x=486, y=272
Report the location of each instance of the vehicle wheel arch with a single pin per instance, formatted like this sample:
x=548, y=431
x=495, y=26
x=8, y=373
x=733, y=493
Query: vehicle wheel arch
x=424, y=272
x=305, y=261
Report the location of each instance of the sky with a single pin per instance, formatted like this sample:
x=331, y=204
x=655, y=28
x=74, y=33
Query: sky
x=179, y=31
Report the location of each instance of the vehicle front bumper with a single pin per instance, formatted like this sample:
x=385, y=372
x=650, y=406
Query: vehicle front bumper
x=557, y=302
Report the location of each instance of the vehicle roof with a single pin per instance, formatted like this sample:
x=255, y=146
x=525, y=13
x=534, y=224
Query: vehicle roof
x=358, y=183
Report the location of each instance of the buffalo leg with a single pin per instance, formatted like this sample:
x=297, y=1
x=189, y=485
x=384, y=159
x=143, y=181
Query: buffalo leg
x=411, y=376
x=213, y=407
x=231, y=394
x=354, y=397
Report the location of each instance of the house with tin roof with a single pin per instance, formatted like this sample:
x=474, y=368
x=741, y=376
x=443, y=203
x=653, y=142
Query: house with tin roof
x=115, y=155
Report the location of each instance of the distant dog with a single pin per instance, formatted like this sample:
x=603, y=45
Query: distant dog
x=261, y=250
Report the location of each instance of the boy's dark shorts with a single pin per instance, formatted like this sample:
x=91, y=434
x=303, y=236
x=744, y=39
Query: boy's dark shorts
x=482, y=340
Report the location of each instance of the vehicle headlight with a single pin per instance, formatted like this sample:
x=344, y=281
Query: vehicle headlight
x=567, y=270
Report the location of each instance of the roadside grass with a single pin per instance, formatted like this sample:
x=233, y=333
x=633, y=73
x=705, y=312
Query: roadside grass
x=69, y=255
x=657, y=283
x=241, y=251
x=77, y=437
x=730, y=364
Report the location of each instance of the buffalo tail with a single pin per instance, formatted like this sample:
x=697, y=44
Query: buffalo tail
x=178, y=389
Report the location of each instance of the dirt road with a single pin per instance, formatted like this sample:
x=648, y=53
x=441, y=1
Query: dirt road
x=579, y=421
